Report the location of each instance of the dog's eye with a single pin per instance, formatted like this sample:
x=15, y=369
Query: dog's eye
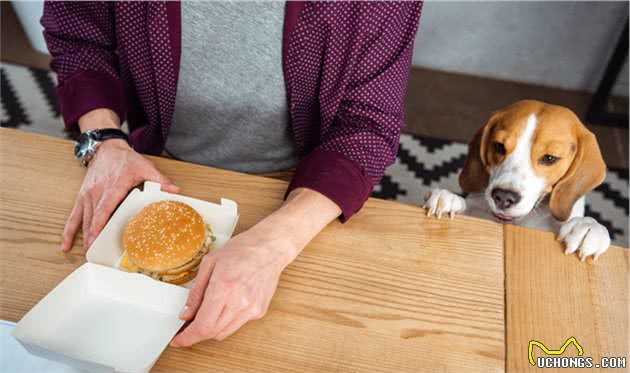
x=499, y=148
x=548, y=159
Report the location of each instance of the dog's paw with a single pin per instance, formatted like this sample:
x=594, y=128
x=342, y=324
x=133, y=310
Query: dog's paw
x=585, y=236
x=440, y=201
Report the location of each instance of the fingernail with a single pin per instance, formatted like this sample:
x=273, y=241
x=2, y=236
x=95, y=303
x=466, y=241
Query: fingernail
x=185, y=312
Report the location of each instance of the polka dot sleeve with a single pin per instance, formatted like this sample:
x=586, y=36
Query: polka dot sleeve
x=81, y=41
x=364, y=71
x=346, y=65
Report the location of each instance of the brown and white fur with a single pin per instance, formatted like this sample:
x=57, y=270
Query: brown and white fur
x=531, y=164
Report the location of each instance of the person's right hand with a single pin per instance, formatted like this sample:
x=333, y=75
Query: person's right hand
x=115, y=169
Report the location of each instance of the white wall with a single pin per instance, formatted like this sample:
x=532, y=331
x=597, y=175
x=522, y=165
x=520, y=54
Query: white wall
x=560, y=44
x=29, y=13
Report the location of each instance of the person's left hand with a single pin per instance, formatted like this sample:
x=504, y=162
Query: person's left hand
x=235, y=284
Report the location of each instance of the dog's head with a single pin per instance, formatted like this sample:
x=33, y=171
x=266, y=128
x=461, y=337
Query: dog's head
x=528, y=151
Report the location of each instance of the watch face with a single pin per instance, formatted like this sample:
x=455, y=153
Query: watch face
x=84, y=144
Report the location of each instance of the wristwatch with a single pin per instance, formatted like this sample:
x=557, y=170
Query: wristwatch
x=89, y=141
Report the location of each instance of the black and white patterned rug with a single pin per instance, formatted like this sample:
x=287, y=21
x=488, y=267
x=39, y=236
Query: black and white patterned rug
x=423, y=163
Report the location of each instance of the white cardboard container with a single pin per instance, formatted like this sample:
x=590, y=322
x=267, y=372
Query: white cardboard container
x=102, y=319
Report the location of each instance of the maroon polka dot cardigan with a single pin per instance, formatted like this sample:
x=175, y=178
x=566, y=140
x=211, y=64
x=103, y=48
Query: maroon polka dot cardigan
x=345, y=64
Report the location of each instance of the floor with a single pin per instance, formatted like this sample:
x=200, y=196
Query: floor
x=439, y=104
x=453, y=106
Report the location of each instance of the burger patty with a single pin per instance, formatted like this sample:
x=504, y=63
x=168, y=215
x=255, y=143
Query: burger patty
x=184, y=269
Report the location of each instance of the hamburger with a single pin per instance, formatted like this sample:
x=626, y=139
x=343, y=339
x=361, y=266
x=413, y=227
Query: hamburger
x=166, y=240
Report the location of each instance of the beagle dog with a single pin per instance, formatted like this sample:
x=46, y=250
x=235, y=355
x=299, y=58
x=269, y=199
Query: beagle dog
x=531, y=164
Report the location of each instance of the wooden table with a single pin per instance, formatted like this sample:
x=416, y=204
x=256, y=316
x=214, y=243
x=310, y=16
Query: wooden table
x=388, y=291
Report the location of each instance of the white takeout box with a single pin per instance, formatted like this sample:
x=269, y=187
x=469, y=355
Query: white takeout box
x=100, y=318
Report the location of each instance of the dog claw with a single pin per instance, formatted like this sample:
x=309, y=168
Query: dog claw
x=442, y=204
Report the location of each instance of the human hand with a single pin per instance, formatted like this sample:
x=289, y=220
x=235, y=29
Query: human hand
x=236, y=282
x=115, y=169
x=234, y=285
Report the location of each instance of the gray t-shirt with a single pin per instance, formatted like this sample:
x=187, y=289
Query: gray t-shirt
x=231, y=107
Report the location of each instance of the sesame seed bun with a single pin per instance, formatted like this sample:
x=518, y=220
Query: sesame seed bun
x=163, y=236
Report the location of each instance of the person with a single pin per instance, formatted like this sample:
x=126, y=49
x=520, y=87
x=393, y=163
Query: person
x=251, y=87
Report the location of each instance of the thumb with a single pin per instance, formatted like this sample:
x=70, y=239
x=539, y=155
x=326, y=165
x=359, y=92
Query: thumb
x=196, y=294
x=165, y=183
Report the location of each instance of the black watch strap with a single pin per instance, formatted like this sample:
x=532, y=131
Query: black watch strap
x=110, y=133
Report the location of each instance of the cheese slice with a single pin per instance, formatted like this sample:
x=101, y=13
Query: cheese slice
x=127, y=265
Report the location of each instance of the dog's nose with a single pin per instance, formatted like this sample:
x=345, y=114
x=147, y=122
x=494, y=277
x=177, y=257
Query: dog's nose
x=504, y=198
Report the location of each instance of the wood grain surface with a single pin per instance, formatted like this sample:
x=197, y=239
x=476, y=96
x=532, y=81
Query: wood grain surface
x=551, y=297
x=389, y=291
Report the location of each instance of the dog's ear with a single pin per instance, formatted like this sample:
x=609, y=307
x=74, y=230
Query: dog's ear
x=587, y=171
x=474, y=176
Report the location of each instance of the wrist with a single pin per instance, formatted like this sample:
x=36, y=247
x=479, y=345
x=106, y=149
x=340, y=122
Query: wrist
x=277, y=239
x=100, y=128
x=290, y=228
x=99, y=119
x=114, y=144
x=108, y=147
